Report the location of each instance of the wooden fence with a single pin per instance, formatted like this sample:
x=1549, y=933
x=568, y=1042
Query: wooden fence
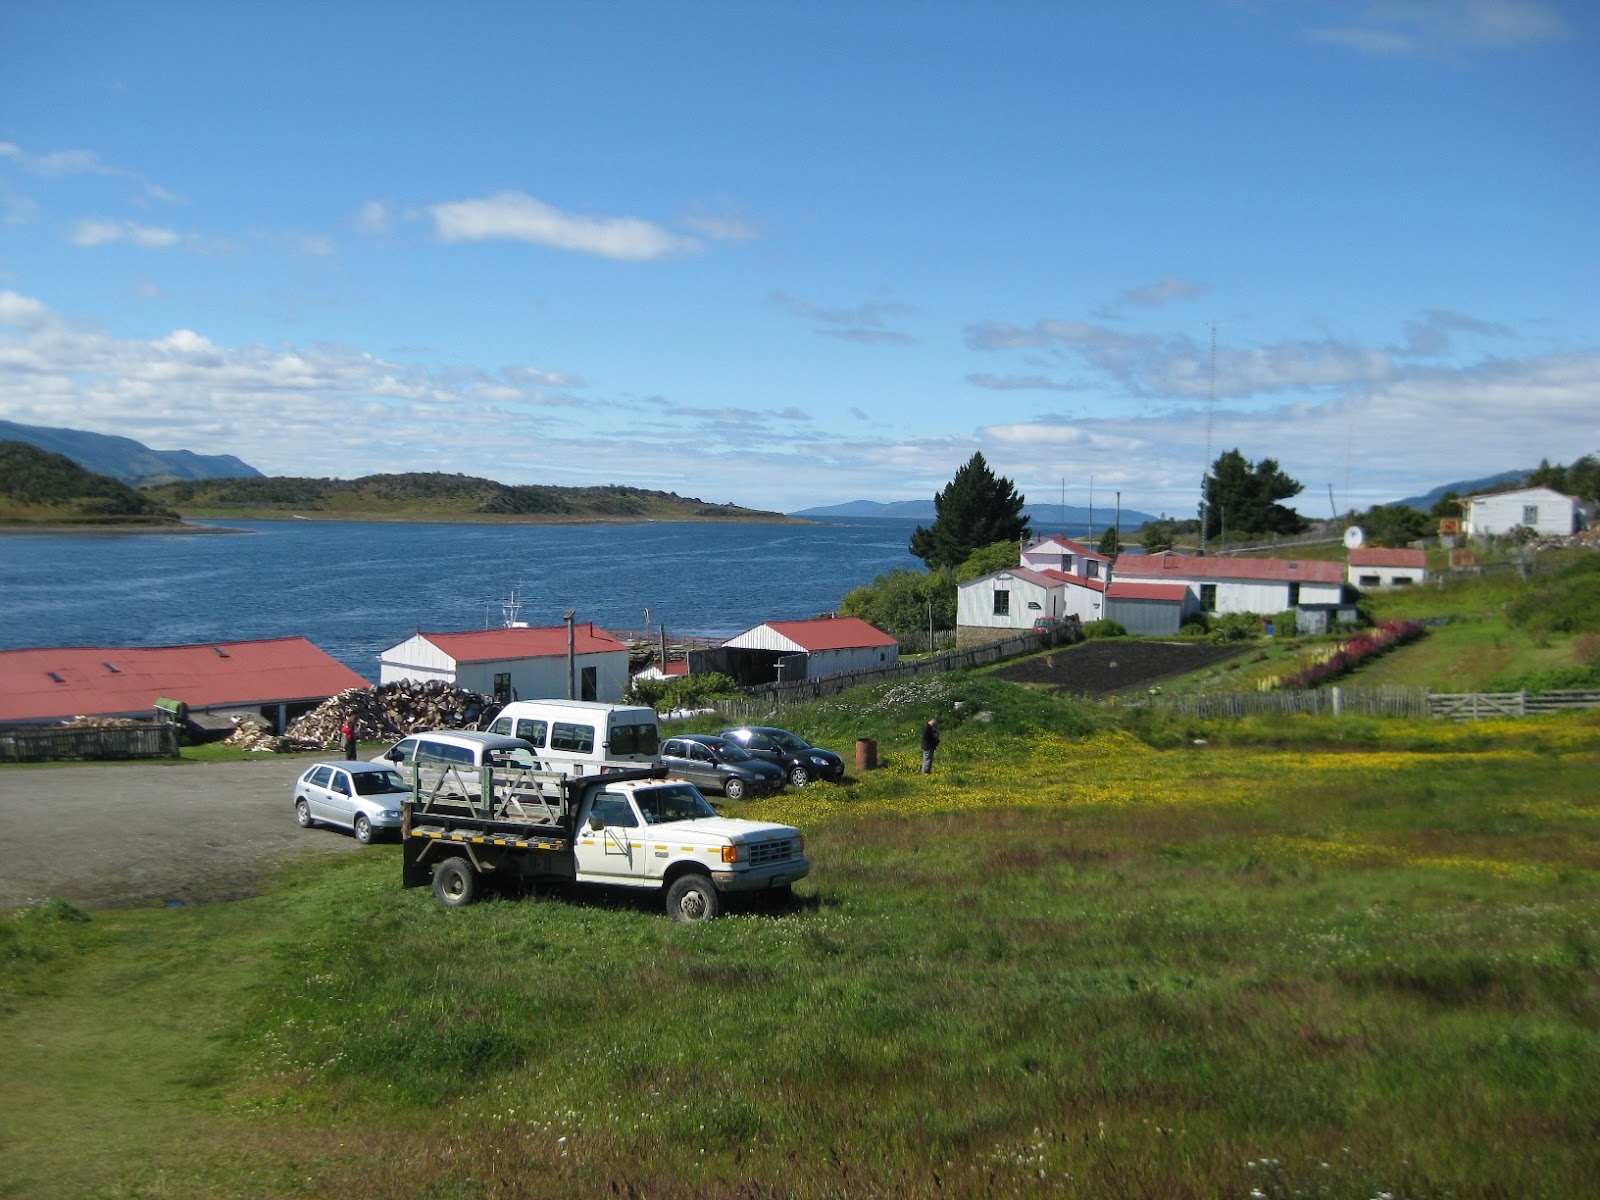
x=1375, y=702
x=47, y=744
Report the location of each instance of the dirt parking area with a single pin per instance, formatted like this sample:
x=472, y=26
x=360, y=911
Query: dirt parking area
x=106, y=834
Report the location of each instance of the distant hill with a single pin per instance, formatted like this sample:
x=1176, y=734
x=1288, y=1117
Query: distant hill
x=432, y=496
x=41, y=488
x=1044, y=518
x=125, y=459
x=1470, y=487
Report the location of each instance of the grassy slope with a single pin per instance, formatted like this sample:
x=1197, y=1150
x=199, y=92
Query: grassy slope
x=1063, y=965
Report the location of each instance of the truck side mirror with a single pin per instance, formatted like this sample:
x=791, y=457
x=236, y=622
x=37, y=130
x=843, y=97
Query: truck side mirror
x=596, y=822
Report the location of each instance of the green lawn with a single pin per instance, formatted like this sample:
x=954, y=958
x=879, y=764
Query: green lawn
x=1339, y=961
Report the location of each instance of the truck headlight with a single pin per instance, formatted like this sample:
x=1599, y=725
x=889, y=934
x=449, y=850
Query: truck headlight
x=730, y=854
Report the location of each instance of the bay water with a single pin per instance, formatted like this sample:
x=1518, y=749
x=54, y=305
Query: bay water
x=355, y=588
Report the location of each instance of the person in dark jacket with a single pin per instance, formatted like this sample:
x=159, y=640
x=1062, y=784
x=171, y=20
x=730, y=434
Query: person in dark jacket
x=930, y=743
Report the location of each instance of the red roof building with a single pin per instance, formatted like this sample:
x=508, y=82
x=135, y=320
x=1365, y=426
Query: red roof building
x=1382, y=567
x=806, y=649
x=271, y=675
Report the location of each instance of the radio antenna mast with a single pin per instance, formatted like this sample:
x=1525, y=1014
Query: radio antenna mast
x=1211, y=409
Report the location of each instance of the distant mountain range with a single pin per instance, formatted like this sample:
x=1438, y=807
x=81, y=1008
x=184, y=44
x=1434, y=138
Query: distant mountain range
x=1072, y=520
x=1470, y=487
x=124, y=459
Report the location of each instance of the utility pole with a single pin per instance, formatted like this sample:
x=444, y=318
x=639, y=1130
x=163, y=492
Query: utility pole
x=572, y=656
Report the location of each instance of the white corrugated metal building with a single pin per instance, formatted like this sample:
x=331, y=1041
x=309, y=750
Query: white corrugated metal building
x=1382, y=567
x=514, y=663
x=785, y=650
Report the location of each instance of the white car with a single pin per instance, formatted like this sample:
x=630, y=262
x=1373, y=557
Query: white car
x=362, y=797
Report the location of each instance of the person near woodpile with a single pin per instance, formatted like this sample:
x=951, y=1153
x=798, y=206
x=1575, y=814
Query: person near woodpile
x=347, y=731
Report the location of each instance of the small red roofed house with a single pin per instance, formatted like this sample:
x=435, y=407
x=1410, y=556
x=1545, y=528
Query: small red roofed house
x=1058, y=553
x=1381, y=567
x=514, y=662
x=1150, y=609
x=787, y=650
x=1005, y=603
x=279, y=678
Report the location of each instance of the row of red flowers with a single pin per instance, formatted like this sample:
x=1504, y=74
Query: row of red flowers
x=1356, y=650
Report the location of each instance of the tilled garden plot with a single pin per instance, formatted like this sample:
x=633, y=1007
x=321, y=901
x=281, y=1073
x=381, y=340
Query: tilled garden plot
x=1109, y=666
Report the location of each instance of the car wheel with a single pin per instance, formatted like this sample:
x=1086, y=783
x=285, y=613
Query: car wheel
x=733, y=789
x=455, y=883
x=799, y=777
x=692, y=898
x=363, y=829
x=302, y=815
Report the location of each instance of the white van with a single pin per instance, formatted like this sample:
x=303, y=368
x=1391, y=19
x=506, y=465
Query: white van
x=580, y=737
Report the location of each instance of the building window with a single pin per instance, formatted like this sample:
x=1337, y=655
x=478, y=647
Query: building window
x=1066, y=563
x=1208, y=597
x=1530, y=514
x=1294, y=595
x=1002, y=603
x=502, y=687
x=590, y=685
x=1370, y=580
x=1094, y=568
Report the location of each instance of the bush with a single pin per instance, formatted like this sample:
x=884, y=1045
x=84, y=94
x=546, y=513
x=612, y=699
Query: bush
x=1235, y=627
x=1286, y=624
x=1104, y=627
x=1196, y=628
x=685, y=691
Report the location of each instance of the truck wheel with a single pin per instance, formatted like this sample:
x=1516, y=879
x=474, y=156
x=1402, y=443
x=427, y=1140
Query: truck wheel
x=363, y=830
x=799, y=776
x=455, y=883
x=302, y=815
x=692, y=898
x=733, y=789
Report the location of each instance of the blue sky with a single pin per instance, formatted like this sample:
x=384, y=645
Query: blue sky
x=788, y=254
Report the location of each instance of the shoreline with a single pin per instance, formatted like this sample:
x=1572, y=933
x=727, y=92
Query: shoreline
x=188, y=528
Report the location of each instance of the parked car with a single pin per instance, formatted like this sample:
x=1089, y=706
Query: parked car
x=362, y=797
x=721, y=765
x=466, y=749
x=800, y=760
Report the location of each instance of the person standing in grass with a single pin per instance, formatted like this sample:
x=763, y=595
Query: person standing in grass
x=930, y=743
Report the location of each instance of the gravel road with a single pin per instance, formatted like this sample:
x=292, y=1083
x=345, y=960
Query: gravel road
x=100, y=835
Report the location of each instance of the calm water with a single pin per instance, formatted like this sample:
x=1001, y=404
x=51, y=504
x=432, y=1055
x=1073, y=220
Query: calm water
x=354, y=588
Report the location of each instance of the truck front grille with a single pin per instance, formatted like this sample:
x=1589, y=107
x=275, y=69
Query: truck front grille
x=762, y=853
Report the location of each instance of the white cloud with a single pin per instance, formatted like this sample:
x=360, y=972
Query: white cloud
x=1389, y=28
x=92, y=234
x=722, y=228
x=373, y=218
x=867, y=324
x=517, y=216
x=62, y=164
x=1154, y=295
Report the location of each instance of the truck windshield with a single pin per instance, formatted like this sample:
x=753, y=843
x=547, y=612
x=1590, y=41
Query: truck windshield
x=679, y=802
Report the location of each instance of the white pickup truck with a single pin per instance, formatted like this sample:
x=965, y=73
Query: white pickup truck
x=638, y=829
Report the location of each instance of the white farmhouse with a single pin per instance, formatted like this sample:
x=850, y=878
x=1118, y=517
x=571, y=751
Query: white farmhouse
x=515, y=663
x=1058, y=553
x=1541, y=509
x=1008, y=602
x=1381, y=567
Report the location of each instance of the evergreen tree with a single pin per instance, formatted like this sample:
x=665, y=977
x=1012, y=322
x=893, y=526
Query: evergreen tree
x=975, y=509
x=1243, y=496
x=1110, y=544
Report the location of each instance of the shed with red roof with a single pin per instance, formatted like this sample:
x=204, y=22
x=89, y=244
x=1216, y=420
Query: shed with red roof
x=519, y=662
x=1382, y=567
x=279, y=678
x=785, y=650
x=1150, y=609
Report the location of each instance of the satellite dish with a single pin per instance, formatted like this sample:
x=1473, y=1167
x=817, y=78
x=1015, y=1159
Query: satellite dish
x=1353, y=537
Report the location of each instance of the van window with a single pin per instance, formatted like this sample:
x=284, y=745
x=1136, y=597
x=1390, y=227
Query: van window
x=634, y=739
x=443, y=752
x=579, y=739
x=531, y=732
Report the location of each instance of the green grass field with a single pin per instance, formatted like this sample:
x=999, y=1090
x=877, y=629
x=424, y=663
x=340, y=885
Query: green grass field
x=1301, y=959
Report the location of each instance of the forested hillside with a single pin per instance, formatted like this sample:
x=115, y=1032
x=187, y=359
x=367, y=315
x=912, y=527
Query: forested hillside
x=38, y=487
x=432, y=495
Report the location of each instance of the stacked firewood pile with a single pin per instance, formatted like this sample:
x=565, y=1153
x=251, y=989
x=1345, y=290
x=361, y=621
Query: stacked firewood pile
x=103, y=723
x=252, y=733
x=390, y=711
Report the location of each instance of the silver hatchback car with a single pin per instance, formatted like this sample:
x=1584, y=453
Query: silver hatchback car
x=362, y=797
